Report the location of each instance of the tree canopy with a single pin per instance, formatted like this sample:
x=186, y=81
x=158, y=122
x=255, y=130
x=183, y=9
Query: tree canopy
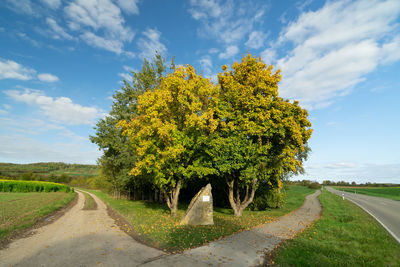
x=259, y=134
x=118, y=154
x=172, y=122
x=173, y=128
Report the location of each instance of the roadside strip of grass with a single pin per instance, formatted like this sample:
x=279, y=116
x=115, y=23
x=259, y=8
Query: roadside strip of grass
x=90, y=204
x=344, y=236
x=385, y=192
x=22, y=210
x=154, y=225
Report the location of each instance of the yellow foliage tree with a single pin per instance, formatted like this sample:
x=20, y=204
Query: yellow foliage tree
x=259, y=134
x=173, y=121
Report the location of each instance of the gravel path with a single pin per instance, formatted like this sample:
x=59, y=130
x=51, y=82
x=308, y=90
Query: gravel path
x=249, y=247
x=79, y=238
x=90, y=238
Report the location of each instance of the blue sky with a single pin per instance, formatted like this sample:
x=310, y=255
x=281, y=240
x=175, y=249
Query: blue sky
x=61, y=61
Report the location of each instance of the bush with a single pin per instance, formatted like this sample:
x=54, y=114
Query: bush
x=314, y=185
x=269, y=199
x=32, y=186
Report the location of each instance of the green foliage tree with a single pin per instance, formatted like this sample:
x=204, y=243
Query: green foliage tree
x=118, y=155
x=260, y=136
x=172, y=123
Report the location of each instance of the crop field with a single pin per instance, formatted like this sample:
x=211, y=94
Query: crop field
x=31, y=186
x=21, y=210
x=153, y=223
x=386, y=192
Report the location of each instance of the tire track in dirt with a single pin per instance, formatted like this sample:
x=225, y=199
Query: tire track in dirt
x=79, y=238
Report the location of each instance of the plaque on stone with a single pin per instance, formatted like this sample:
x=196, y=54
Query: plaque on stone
x=200, y=210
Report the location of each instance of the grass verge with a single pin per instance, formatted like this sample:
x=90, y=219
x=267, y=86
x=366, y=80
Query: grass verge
x=90, y=204
x=157, y=228
x=344, y=236
x=386, y=192
x=22, y=210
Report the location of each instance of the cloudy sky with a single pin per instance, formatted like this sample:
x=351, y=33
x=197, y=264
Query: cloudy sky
x=61, y=61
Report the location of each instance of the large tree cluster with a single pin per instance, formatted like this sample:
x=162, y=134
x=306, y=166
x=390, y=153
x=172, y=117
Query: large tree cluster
x=184, y=127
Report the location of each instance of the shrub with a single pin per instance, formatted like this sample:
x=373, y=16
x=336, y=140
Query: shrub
x=269, y=199
x=32, y=186
x=314, y=185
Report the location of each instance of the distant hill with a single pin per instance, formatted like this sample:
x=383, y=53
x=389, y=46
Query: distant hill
x=48, y=168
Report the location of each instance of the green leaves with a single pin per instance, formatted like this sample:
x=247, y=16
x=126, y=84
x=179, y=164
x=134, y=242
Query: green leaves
x=171, y=120
x=182, y=127
x=119, y=154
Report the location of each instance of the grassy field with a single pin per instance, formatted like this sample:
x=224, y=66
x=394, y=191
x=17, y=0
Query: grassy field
x=344, y=236
x=22, y=210
x=156, y=227
x=386, y=192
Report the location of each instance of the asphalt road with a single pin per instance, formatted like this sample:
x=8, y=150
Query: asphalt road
x=385, y=211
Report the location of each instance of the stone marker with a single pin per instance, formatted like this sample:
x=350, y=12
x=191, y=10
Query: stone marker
x=200, y=210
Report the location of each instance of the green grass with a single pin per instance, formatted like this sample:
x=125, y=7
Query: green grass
x=90, y=204
x=344, y=236
x=154, y=224
x=32, y=186
x=22, y=210
x=386, y=192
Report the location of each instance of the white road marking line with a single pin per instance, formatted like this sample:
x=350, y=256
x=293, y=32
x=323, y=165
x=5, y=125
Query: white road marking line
x=384, y=226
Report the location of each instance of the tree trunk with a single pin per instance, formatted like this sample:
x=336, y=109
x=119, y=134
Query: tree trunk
x=155, y=195
x=237, y=204
x=161, y=197
x=172, y=198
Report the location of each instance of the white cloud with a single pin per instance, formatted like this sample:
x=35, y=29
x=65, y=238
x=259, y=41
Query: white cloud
x=22, y=149
x=21, y=6
x=226, y=21
x=129, y=6
x=341, y=165
x=206, y=65
x=3, y=112
x=129, y=68
x=12, y=70
x=53, y=4
x=335, y=47
x=151, y=43
x=126, y=76
x=256, y=39
x=6, y=106
x=47, y=77
x=213, y=50
x=230, y=52
x=100, y=22
x=391, y=51
x=57, y=31
x=350, y=171
x=25, y=37
x=92, y=39
x=60, y=109
x=129, y=54
x=268, y=56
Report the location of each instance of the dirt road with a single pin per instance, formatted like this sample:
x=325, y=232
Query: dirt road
x=79, y=238
x=248, y=247
x=90, y=238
